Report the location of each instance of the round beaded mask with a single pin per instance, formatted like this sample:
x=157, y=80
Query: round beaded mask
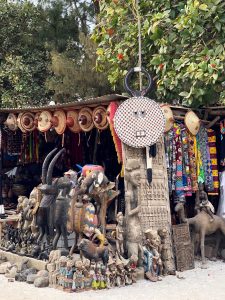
x=139, y=122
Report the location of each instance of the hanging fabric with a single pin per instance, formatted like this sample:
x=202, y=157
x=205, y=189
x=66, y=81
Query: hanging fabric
x=200, y=170
x=186, y=164
x=14, y=142
x=214, y=163
x=205, y=156
x=192, y=152
x=221, y=206
x=222, y=143
x=179, y=188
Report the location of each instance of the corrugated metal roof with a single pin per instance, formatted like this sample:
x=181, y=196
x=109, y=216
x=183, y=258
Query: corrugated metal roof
x=76, y=104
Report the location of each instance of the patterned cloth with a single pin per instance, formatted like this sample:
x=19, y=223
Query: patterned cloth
x=170, y=150
x=200, y=170
x=14, y=142
x=179, y=187
x=186, y=163
x=222, y=143
x=205, y=157
x=214, y=163
x=192, y=151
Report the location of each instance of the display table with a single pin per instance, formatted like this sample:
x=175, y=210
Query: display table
x=11, y=219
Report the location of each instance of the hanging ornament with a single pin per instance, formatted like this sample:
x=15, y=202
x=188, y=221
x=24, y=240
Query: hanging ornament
x=139, y=121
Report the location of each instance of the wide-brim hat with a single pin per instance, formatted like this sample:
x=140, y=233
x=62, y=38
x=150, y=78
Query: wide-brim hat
x=168, y=116
x=44, y=121
x=19, y=122
x=59, y=121
x=11, y=122
x=36, y=117
x=72, y=121
x=139, y=122
x=192, y=122
x=85, y=119
x=27, y=121
x=99, y=118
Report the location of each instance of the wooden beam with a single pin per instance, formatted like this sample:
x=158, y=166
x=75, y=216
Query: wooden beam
x=213, y=122
x=218, y=112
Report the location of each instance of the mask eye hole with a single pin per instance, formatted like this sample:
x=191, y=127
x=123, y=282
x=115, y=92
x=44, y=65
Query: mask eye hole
x=143, y=113
x=135, y=114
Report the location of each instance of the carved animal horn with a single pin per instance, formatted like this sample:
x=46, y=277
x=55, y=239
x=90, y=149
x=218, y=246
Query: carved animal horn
x=51, y=166
x=45, y=165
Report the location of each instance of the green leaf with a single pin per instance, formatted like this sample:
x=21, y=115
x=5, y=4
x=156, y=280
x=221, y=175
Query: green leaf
x=218, y=26
x=155, y=61
x=203, y=7
x=100, y=51
x=219, y=49
x=184, y=94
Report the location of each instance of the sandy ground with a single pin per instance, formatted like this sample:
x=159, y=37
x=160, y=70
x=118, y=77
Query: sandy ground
x=196, y=284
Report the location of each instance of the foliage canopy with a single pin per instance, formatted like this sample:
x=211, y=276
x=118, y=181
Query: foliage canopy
x=182, y=46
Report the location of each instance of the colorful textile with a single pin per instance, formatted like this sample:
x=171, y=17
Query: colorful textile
x=205, y=157
x=200, y=170
x=179, y=187
x=192, y=151
x=170, y=159
x=186, y=164
x=221, y=206
x=222, y=143
x=14, y=142
x=214, y=163
x=117, y=142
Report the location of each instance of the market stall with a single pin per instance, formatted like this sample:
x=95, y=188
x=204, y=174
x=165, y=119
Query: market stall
x=75, y=168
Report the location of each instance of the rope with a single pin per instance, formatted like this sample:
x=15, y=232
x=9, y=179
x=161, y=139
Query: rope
x=139, y=45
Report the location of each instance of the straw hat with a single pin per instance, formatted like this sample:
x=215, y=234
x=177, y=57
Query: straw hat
x=19, y=122
x=27, y=121
x=192, y=122
x=99, y=118
x=85, y=119
x=59, y=121
x=44, y=121
x=72, y=121
x=11, y=122
x=168, y=116
x=36, y=117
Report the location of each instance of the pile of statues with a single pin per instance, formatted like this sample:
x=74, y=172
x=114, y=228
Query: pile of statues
x=69, y=204
x=73, y=274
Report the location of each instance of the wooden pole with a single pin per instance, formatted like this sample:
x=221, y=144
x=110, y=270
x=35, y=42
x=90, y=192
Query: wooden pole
x=213, y=122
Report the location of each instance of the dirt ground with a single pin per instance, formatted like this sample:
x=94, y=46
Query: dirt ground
x=197, y=284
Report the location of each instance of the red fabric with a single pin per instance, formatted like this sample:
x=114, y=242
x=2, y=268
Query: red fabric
x=113, y=106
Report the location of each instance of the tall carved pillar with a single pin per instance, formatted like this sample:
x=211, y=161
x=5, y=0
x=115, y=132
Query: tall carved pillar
x=153, y=199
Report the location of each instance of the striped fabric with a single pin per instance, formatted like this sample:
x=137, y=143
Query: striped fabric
x=192, y=151
x=205, y=156
x=214, y=163
x=179, y=187
x=200, y=170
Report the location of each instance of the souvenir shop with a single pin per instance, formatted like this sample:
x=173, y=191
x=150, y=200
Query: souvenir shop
x=29, y=135
x=194, y=150
x=65, y=170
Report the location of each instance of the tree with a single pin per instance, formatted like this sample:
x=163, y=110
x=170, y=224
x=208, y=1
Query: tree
x=75, y=78
x=73, y=54
x=24, y=60
x=182, y=46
